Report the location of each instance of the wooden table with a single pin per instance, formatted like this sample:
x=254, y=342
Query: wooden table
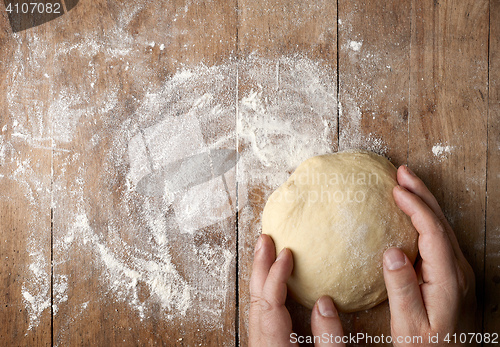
x=126, y=216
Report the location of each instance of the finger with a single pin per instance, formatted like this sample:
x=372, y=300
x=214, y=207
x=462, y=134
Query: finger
x=325, y=323
x=403, y=290
x=439, y=264
x=438, y=258
x=264, y=256
x=275, y=323
x=274, y=290
x=408, y=180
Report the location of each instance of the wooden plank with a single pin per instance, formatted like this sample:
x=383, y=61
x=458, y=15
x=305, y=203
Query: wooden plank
x=287, y=112
x=374, y=49
x=25, y=310
x=131, y=267
x=25, y=187
x=492, y=259
x=448, y=113
x=288, y=28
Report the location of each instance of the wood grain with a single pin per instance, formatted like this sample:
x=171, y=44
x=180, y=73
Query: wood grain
x=416, y=83
x=19, y=217
x=448, y=115
x=25, y=223
x=85, y=196
x=491, y=314
x=374, y=50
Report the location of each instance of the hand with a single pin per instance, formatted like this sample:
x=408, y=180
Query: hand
x=269, y=322
x=433, y=306
x=444, y=301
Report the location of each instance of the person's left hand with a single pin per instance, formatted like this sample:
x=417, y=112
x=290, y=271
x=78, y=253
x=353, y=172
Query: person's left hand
x=269, y=322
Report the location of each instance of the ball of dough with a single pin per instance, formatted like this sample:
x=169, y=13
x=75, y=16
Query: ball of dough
x=337, y=215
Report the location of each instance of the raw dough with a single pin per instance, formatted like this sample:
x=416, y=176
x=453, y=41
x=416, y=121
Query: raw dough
x=337, y=215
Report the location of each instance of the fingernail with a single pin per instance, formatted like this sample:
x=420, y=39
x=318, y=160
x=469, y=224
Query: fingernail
x=409, y=171
x=281, y=255
x=326, y=308
x=402, y=188
x=394, y=259
x=259, y=243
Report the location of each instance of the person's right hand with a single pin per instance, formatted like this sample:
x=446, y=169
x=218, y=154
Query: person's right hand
x=444, y=302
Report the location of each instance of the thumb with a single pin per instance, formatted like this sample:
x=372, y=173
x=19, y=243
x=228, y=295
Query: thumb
x=403, y=290
x=325, y=323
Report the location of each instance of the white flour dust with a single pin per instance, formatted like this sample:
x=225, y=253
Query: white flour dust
x=367, y=95
x=355, y=45
x=288, y=115
x=156, y=232
x=151, y=251
x=36, y=291
x=441, y=151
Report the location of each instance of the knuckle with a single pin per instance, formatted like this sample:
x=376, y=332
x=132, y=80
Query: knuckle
x=261, y=303
x=441, y=217
x=461, y=279
x=268, y=325
x=403, y=297
x=444, y=327
x=466, y=279
x=439, y=227
x=404, y=290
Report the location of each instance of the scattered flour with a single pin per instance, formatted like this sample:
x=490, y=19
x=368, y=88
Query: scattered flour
x=287, y=115
x=150, y=251
x=356, y=45
x=366, y=101
x=284, y=120
x=441, y=151
x=36, y=291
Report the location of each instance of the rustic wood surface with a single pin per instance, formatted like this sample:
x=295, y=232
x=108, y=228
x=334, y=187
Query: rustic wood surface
x=18, y=212
x=106, y=322
x=276, y=81
x=449, y=83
